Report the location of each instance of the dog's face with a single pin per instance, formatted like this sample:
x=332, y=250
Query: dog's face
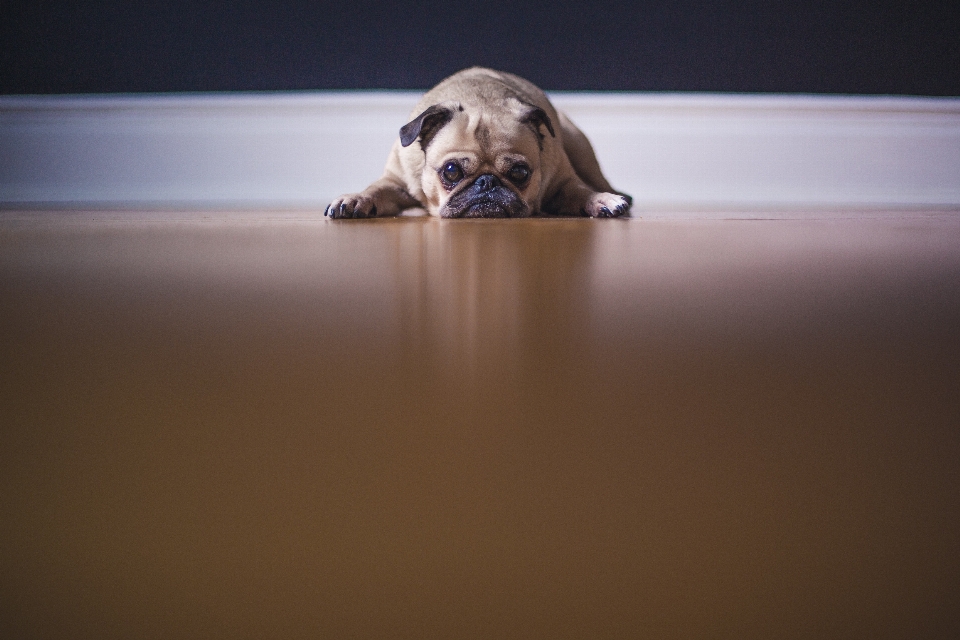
x=480, y=163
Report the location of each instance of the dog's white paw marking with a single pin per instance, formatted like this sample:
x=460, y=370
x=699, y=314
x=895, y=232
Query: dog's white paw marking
x=607, y=205
x=353, y=205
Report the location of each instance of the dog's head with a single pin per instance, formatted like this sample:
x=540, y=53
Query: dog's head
x=481, y=162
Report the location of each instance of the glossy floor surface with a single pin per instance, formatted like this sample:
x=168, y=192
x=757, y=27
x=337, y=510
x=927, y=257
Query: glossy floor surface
x=273, y=425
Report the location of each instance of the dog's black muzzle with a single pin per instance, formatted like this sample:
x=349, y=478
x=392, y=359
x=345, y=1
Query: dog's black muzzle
x=487, y=197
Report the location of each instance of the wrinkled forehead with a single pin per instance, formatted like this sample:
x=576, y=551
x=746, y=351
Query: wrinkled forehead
x=486, y=133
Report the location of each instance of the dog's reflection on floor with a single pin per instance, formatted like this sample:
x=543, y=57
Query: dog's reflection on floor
x=478, y=299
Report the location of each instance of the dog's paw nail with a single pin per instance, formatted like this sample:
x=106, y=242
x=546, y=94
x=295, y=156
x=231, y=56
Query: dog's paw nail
x=605, y=212
x=373, y=212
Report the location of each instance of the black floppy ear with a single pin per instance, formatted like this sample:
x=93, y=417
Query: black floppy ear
x=425, y=125
x=536, y=117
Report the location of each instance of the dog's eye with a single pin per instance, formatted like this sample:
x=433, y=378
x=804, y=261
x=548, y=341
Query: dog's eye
x=519, y=173
x=451, y=173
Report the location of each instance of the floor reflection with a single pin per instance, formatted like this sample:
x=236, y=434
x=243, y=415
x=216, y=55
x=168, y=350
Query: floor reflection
x=476, y=298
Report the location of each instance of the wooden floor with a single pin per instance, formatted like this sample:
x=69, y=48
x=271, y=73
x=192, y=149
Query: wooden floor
x=273, y=425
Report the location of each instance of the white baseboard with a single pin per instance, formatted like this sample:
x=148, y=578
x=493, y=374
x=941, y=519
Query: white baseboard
x=299, y=150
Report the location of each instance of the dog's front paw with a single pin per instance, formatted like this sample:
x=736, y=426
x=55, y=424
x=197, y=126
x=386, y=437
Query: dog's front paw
x=607, y=205
x=354, y=205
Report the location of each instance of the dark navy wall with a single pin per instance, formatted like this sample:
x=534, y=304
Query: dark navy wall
x=685, y=45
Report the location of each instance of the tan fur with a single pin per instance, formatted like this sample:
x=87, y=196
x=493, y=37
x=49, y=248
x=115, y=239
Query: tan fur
x=484, y=134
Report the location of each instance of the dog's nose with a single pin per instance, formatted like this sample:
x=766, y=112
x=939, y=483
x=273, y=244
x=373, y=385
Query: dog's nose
x=486, y=182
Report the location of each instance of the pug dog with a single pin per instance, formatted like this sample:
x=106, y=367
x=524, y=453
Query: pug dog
x=487, y=144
